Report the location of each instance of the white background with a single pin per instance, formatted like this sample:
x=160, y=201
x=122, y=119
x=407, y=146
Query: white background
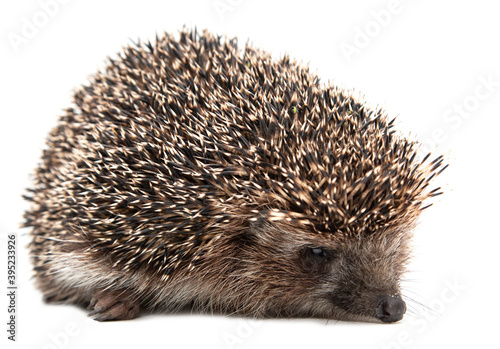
x=421, y=60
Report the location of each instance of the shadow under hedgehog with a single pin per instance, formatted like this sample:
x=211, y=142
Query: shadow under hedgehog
x=192, y=174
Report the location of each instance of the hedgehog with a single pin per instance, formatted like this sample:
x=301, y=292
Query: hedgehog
x=194, y=174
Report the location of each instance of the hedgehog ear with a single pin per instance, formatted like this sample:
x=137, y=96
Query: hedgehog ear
x=258, y=226
x=255, y=226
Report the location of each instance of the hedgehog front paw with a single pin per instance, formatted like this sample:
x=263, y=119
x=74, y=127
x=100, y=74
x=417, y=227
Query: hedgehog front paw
x=108, y=305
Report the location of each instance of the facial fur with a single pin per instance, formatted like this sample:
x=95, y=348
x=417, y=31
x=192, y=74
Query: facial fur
x=280, y=269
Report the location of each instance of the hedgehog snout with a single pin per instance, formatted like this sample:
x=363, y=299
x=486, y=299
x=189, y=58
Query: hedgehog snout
x=390, y=308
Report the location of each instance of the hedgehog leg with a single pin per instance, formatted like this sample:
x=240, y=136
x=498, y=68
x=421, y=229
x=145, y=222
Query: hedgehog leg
x=109, y=305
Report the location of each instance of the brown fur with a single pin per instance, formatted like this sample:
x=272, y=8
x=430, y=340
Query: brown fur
x=190, y=174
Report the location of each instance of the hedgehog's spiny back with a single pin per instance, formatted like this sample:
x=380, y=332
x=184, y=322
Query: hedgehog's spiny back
x=179, y=141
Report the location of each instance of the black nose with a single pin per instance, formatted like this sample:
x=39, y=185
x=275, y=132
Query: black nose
x=390, y=308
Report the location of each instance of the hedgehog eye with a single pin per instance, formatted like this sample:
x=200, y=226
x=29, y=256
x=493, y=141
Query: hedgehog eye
x=318, y=252
x=316, y=259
